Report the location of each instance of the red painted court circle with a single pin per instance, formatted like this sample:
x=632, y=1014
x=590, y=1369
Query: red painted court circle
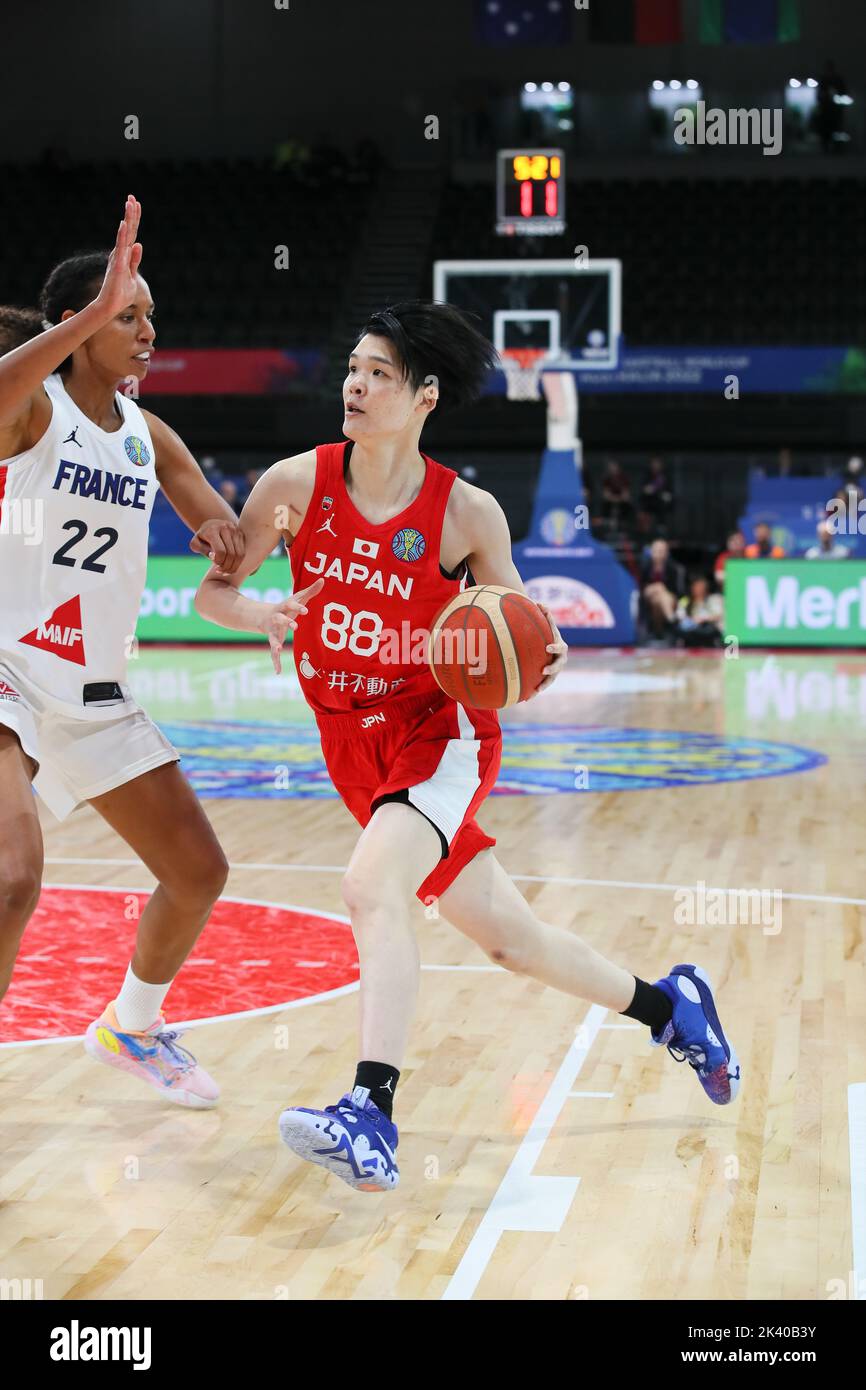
x=251, y=955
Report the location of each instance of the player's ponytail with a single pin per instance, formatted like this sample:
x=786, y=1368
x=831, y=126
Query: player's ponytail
x=438, y=341
x=17, y=326
x=72, y=284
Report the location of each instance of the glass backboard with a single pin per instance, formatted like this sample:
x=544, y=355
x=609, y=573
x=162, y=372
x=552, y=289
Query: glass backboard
x=570, y=309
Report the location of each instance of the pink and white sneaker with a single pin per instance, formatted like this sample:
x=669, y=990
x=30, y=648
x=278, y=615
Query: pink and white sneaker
x=155, y=1057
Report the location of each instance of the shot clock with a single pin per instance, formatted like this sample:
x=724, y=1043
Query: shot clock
x=530, y=192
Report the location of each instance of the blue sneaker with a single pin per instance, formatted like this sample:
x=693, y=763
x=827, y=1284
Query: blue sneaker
x=353, y=1139
x=694, y=1033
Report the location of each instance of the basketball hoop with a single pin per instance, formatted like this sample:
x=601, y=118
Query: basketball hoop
x=522, y=368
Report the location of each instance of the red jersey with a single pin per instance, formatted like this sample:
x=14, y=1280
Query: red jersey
x=365, y=636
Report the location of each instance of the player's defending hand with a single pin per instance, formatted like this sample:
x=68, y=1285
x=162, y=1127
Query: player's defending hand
x=281, y=616
x=119, y=287
x=222, y=542
x=558, y=648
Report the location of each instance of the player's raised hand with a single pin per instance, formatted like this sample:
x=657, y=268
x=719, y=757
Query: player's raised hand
x=283, y=616
x=118, y=287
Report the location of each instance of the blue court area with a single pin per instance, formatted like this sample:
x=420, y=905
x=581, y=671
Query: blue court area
x=245, y=732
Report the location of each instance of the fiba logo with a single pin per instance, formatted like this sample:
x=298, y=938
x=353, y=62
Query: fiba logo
x=408, y=544
x=136, y=450
x=557, y=526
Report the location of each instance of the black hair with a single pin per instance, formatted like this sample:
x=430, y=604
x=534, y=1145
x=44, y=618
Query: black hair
x=72, y=284
x=17, y=326
x=436, y=340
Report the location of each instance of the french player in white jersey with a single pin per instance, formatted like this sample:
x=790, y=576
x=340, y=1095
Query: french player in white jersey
x=80, y=464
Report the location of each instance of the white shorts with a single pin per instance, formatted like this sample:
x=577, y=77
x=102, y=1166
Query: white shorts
x=80, y=758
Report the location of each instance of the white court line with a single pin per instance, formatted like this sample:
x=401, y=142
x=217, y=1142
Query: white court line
x=243, y=1013
x=857, y=1142
x=524, y=1202
x=462, y=967
x=519, y=878
x=591, y=1095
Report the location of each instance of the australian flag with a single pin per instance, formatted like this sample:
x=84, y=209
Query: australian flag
x=521, y=22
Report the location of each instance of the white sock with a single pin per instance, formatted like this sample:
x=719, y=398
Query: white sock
x=138, y=1004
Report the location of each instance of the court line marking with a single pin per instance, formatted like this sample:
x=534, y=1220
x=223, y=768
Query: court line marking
x=243, y=1013
x=540, y=1198
x=525, y=1201
x=857, y=1142
x=520, y=878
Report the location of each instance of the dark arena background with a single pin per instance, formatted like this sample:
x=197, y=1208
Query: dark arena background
x=655, y=209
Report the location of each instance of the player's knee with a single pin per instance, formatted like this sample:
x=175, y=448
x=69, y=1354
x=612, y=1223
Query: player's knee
x=203, y=878
x=214, y=873
x=356, y=889
x=364, y=892
x=20, y=886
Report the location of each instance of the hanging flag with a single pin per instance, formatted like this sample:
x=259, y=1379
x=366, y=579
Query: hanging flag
x=658, y=21
x=521, y=22
x=711, y=23
x=749, y=21
x=636, y=21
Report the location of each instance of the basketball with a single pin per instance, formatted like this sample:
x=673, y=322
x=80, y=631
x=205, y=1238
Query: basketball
x=488, y=647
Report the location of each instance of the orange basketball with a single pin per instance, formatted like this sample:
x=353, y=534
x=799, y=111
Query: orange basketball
x=487, y=646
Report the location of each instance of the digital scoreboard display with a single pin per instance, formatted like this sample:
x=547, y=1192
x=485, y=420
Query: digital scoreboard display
x=530, y=192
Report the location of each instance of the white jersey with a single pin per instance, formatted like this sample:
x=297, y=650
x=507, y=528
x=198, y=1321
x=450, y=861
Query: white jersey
x=74, y=520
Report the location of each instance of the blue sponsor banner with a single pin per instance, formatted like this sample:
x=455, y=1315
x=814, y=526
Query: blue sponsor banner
x=592, y=597
x=819, y=370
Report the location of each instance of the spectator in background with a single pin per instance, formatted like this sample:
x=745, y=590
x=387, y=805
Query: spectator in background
x=828, y=112
x=661, y=584
x=228, y=489
x=616, y=504
x=762, y=547
x=700, y=615
x=656, y=497
x=847, y=501
x=736, y=549
x=828, y=548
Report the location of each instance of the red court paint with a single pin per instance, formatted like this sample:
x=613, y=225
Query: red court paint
x=78, y=943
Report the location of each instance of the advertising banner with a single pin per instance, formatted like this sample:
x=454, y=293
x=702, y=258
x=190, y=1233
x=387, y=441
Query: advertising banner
x=796, y=603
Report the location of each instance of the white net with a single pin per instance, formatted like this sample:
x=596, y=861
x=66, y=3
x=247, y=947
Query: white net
x=522, y=368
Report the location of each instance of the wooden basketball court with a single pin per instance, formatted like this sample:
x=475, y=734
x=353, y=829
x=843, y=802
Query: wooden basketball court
x=546, y=1150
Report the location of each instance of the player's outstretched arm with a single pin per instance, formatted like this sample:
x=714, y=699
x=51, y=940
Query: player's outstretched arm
x=485, y=527
x=219, y=599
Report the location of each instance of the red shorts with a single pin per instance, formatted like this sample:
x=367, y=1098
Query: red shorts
x=445, y=755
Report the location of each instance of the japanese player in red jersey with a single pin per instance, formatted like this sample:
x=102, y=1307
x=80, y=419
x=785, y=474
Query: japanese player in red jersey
x=379, y=534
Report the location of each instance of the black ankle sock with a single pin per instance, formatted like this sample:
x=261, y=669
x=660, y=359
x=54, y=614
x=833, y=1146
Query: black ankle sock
x=650, y=1006
x=380, y=1079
